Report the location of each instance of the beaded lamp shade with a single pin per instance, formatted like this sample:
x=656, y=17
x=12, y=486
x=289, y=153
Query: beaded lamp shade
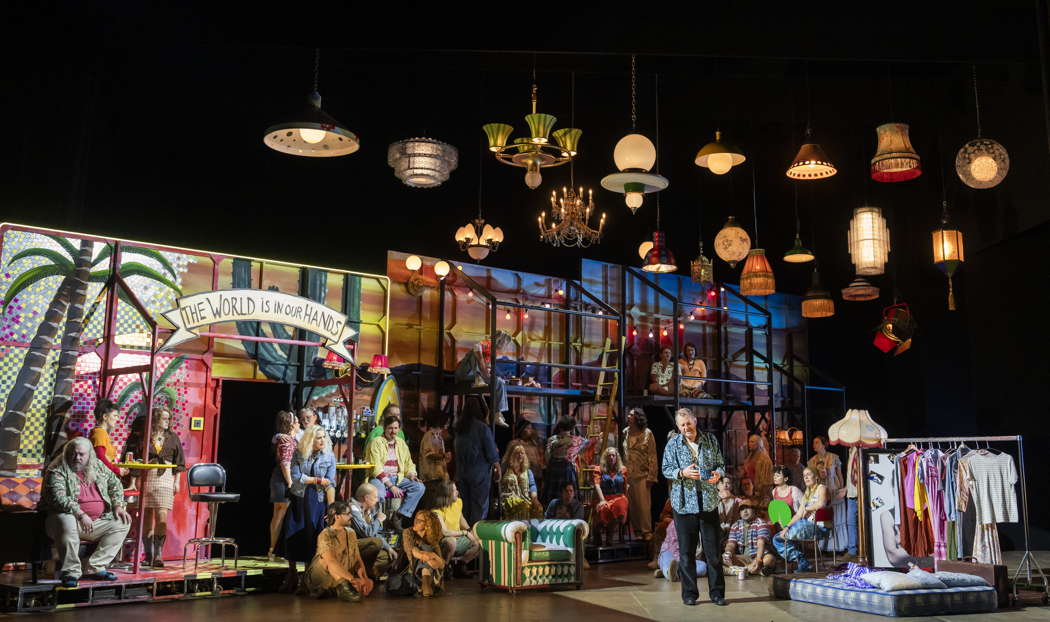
x=817, y=302
x=860, y=290
x=895, y=159
x=757, y=277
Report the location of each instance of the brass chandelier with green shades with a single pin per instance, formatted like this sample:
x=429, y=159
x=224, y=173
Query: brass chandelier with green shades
x=535, y=151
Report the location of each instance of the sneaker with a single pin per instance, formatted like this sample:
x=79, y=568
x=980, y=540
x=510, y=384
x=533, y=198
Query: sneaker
x=501, y=422
x=658, y=574
x=103, y=575
x=68, y=580
x=347, y=594
x=673, y=571
x=803, y=566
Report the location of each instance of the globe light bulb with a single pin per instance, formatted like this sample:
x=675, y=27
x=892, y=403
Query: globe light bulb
x=984, y=168
x=311, y=136
x=441, y=269
x=634, y=199
x=507, y=316
x=413, y=262
x=532, y=176
x=643, y=249
x=720, y=163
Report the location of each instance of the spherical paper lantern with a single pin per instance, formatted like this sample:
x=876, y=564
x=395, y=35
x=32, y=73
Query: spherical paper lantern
x=982, y=163
x=732, y=243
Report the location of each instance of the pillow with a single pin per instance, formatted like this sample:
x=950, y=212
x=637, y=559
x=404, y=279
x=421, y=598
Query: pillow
x=926, y=579
x=961, y=579
x=891, y=581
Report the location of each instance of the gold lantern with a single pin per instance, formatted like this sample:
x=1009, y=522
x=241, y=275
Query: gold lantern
x=948, y=252
x=895, y=159
x=732, y=243
x=869, y=240
x=817, y=302
x=757, y=277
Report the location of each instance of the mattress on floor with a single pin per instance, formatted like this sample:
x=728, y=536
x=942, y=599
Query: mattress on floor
x=897, y=604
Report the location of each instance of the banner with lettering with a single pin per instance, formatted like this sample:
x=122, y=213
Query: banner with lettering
x=260, y=305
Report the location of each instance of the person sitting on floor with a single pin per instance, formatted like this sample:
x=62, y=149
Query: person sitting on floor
x=458, y=541
x=394, y=470
x=336, y=568
x=667, y=559
x=610, y=488
x=422, y=543
x=84, y=501
x=473, y=369
x=517, y=488
x=660, y=533
x=565, y=505
x=802, y=525
x=748, y=543
x=367, y=521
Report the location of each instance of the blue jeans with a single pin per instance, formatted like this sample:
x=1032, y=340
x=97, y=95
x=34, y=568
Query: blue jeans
x=802, y=530
x=413, y=491
x=851, y=525
x=664, y=562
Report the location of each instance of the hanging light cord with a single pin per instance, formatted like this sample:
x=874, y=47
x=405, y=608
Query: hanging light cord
x=317, y=66
x=481, y=170
x=809, y=104
x=889, y=77
x=976, y=99
x=634, y=104
x=944, y=186
x=798, y=223
x=572, y=123
x=754, y=204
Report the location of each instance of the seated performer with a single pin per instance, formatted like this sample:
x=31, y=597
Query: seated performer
x=563, y=448
x=527, y=437
x=667, y=559
x=106, y=415
x=336, y=568
x=84, y=501
x=474, y=369
x=802, y=525
x=565, y=505
x=458, y=541
x=748, y=543
x=422, y=543
x=661, y=374
x=610, y=488
x=783, y=490
x=367, y=521
x=517, y=488
x=393, y=469
x=689, y=365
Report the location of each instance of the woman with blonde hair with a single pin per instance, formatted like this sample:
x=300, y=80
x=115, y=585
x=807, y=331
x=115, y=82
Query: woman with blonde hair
x=161, y=485
x=313, y=490
x=610, y=488
x=517, y=488
x=803, y=524
x=283, y=442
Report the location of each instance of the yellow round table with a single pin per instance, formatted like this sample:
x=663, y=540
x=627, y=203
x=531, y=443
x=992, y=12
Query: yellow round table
x=350, y=467
x=144, y=465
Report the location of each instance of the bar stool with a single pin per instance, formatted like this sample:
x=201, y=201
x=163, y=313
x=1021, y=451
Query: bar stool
x=210, y=474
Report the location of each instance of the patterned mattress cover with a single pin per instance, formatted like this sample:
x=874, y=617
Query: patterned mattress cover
x=897, y=604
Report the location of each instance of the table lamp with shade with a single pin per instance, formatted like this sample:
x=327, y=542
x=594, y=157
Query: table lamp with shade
x=858, y=430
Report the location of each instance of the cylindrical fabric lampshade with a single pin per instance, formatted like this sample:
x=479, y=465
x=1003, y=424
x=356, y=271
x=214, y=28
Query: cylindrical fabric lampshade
x=869, y=240
x=817, y=302
x=857, y=429
x=732, y=243
x=895, y=159
x=757, y=277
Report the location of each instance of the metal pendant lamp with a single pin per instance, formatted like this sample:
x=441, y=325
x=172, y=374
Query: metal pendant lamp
x=719, y=157
x=313, y=133
x=659, y=257
x=798, y=253
x=811, y=162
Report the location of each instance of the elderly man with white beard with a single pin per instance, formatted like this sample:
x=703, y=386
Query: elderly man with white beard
x=84, y=502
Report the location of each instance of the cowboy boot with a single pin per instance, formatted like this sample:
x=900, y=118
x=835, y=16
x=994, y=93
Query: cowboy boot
x=158, y=551
x=428, y=586
x=148, y=550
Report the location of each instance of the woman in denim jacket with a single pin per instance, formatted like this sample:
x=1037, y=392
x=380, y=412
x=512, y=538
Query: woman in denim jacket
x=313, y=489
x=693, y=463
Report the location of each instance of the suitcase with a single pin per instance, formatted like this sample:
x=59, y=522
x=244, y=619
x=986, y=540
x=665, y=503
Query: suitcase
x=995, y=574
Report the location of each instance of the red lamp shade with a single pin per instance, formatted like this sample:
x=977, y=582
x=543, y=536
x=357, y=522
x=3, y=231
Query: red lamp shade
x=659, y=258
x=333, y=360
x=380, y=364
x=895, y=158
x=757, y=277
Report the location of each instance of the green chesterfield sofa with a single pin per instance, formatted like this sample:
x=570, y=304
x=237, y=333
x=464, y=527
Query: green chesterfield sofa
x=519, y=555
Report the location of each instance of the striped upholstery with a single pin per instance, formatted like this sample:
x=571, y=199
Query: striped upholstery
x=902, y=603
x=508, y=563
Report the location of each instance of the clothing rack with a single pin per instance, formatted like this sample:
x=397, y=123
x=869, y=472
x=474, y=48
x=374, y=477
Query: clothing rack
x=1027, y=560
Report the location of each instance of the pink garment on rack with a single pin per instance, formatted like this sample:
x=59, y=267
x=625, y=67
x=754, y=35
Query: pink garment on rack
x=935, y=494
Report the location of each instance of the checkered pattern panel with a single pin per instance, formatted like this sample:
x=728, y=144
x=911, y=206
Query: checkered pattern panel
x=11, y=358
x=548, y=573
x=20, y=491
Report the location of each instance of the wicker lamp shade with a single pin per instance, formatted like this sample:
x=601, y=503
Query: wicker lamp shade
x=895, y=159
x=732, y=243
x=757, y=277
x=817, y=302
x=860, y=290
x=982, y=163
x=869, y=240
x=811, y=163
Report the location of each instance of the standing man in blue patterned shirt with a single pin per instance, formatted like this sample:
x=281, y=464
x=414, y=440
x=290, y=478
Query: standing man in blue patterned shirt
x=694, y=464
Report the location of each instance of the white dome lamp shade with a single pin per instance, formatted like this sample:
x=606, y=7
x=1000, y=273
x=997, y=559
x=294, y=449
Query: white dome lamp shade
x=313, y=133
x=634, y=155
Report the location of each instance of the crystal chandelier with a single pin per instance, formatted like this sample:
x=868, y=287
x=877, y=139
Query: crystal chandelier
x=535, y=151
x=570, y=220
x=422, y=162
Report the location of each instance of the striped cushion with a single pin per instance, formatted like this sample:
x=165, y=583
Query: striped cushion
x=901, y=603
x=548, y=554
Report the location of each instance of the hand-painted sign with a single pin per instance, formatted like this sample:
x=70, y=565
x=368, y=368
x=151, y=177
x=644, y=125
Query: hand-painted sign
x=258, y=305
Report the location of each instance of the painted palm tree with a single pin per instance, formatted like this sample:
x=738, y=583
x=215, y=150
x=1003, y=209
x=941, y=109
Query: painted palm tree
x=163, y=391
x=72, y=265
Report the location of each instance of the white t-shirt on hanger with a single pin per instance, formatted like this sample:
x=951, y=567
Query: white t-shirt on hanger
x=992, y=479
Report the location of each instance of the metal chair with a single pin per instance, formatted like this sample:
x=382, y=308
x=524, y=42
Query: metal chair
x=824, y=517
x=213, y=475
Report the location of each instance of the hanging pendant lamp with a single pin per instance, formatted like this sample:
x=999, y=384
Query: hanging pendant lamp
x=869, y=240
x=635, y=156
x=719, y=157
x=981, y=163
x=757, y=277
x=732, y=243
x=811, y=162
x=422, y=162
x=895, y=159
x=798, y=253
x=659, y=257
x=860, y=290
x=312, y=133
x=948, y=252
x=817, y=301
x=702, y=269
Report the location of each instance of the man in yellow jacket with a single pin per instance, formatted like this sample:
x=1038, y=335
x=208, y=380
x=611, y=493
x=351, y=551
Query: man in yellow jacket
x=393, y=470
